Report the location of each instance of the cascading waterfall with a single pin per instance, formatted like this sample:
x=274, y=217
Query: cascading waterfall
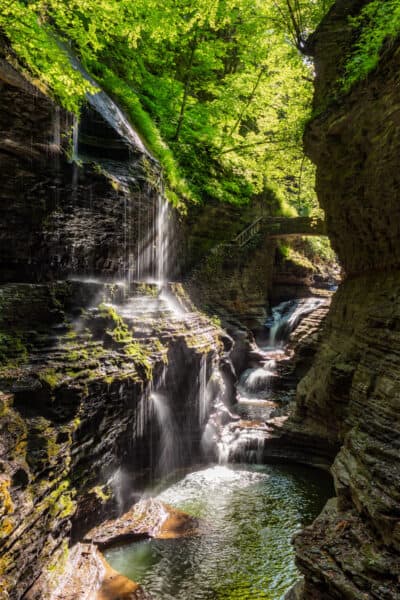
x=285, y=318
x=153, y=249
x=163, y=239
x=203, y=393
x=169, y=441
x=256, y=394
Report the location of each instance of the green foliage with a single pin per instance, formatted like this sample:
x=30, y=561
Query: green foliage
x=36, y=46
x=319, y=249
x=218, y=89
x=378, y=22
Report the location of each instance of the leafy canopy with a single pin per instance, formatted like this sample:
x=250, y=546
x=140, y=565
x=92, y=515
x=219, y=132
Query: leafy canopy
x=217, y=88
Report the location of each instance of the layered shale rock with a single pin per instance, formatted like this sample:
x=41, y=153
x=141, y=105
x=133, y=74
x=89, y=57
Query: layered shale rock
x=74, y=200
x=84, y=365
x=79, y=427
x=351, y=396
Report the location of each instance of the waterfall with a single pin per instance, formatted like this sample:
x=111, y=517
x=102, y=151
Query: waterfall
x=57, y=129
x=286, y=316
x=163, y=240
x=75, y=138
x=170, y=450
x=203, y=395
x=258, y=395
x=153, y=249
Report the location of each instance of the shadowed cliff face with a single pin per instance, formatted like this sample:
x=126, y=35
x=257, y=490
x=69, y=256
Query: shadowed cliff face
x=351, y=394
x=88, y=369
x=73, y=200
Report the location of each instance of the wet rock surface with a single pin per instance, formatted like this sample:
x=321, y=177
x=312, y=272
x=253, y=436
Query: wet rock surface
x=350, y=397
x=77, y=416
x=79, y=357
x=148, y=518
x=64, y=214
x=86, y=574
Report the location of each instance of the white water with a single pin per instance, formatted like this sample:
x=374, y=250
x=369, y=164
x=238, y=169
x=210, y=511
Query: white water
x=286, y=316
x=257, y=398
x=202, y=395
x=163, y=239
x=153, y=249
x=170, y=441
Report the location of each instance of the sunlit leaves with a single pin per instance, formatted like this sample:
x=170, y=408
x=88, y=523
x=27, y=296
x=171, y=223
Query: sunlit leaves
x=377, y=22
x=35, y=44
x=222, y=81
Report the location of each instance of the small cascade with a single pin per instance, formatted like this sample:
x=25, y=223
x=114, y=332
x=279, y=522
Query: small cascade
x=285, y=318
x=169, y=442
x=163, y=239
x=75, y=138
x=259, y=395
x=203, y=392
x=57, y=128
x=257, y=382
x=153, y=248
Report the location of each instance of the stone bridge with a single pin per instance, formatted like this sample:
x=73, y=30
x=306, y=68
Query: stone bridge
x=275, y=227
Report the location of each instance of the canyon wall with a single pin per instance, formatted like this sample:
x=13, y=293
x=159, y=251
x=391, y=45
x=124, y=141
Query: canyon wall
x=351, y=395
x=87, y=367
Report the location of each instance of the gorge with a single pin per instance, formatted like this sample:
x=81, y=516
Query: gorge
x=177, y=385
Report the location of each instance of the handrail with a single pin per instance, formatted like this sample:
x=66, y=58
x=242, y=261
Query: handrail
x=248, y=233
x=272, y=226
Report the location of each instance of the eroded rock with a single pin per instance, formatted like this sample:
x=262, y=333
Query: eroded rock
x=148, y=518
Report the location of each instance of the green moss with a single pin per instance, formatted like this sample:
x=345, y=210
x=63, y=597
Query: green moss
x=148, y=290
x=215, y=320
x=6, y=528
x=108, y=312
x=60, y=502
x=59, y=560
x=84, y=374
x=121, y=335
x=101, y=492
x=139, y=355
x=12, y=347
x=71, y=335
x=51, y=377
x=6, y=503
x=77, y=355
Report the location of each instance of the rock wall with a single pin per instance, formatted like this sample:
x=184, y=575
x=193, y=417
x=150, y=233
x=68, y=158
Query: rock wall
x=351, y=395
x=63, y=214
x=80, y=359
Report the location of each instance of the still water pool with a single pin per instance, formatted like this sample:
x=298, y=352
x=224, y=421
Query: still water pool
x=244, y=552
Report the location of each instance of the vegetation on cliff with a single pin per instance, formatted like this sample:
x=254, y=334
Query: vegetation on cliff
x=219, y=90
x=377, y=23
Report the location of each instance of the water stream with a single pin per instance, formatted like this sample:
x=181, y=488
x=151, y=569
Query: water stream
x=261, y=394
x=249, y=511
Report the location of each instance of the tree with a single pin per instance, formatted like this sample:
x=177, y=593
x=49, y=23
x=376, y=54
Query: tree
x=218, y=87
